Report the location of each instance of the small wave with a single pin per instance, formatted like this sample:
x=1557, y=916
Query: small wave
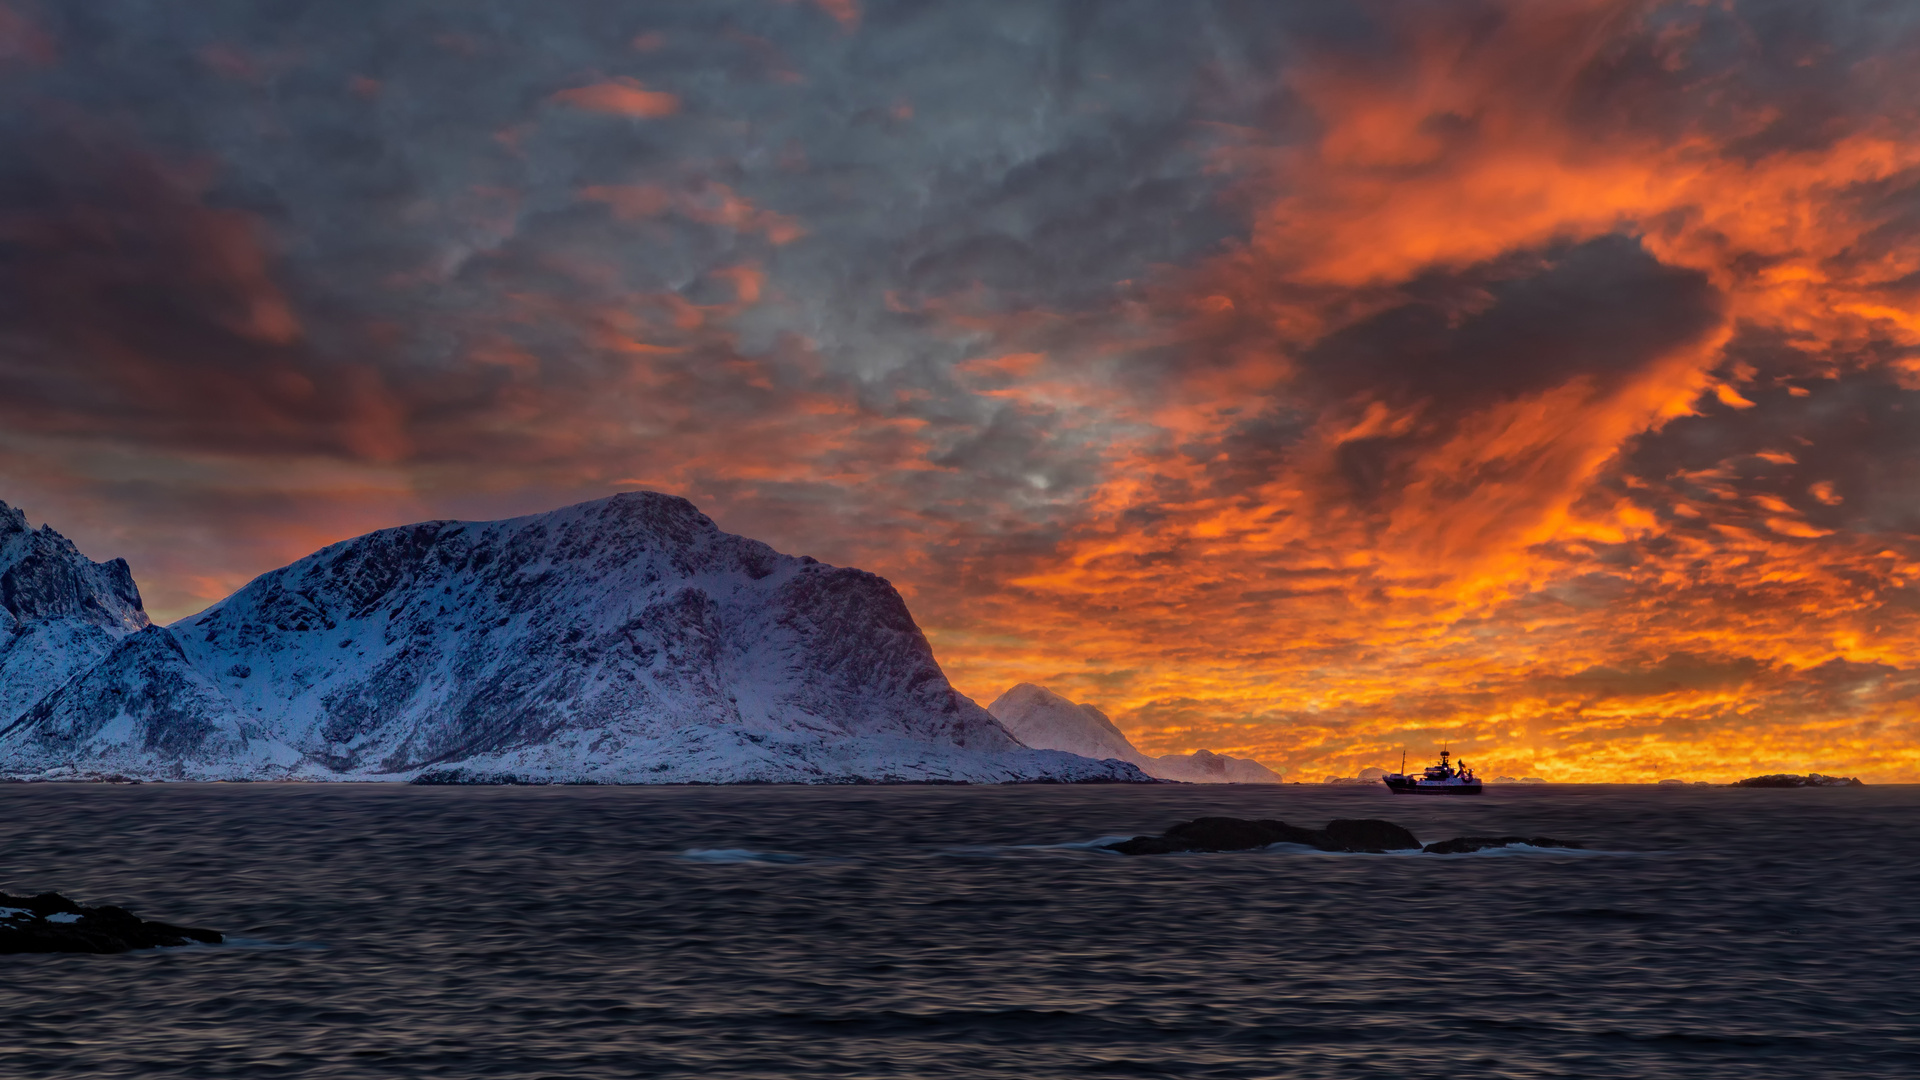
x=738, y=855
x=1099, y=844
x=989, y=851
x=1522, y=850
x=258, y=945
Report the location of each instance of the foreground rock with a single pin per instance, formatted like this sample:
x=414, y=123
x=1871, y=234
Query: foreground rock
x=1461, y=845
x=1368, y=835
x=1790, y=780
x=51, y=923
x=1240, y=834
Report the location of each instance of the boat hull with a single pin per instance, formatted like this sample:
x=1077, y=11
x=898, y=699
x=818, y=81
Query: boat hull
x=1416, y=787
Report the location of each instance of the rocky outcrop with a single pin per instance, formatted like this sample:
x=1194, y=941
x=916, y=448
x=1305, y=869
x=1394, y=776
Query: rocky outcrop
x=51, y=923
x=1789, y=780
x=1240, y=834
x=60, y=612
x=1044, y=720
x=43, y=576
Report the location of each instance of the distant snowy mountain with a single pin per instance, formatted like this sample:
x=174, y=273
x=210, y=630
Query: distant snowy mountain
x=623, y=640
x=1043, y=719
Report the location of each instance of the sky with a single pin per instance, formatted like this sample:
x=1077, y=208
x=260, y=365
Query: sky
x=1540, y=378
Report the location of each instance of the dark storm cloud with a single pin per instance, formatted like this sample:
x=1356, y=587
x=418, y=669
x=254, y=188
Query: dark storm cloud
x=133, y=306
x=293, y=230
x=1842, y=451
x=1598, y=311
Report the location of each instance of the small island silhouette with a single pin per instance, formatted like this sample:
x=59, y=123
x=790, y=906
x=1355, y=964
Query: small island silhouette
x=1790, y=780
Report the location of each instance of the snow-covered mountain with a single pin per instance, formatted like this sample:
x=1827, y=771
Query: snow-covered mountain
x=1043, y=719
x=60, y=613
x=623, y=640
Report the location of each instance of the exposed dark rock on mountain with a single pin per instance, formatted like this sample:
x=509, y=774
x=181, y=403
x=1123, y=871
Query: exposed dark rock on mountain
x=1461, y=845
x=143, y=709
x=60, y=612
x=1240, y=834
x=43, y=576
x=1790, y=780
x=51, y=923
x=623, y=640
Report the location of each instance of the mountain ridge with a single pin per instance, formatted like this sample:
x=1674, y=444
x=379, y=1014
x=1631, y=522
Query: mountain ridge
x=627, y=639
x=1039, y=717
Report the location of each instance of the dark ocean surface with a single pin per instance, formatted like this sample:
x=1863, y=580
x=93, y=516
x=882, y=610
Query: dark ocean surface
x=386, y=931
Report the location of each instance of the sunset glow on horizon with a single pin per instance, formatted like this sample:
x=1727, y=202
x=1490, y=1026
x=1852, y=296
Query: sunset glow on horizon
x=1540, y=379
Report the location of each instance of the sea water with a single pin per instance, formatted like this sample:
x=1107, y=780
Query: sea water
x=392, y=931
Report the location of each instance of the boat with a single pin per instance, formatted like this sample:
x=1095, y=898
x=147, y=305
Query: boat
x=1446, y=778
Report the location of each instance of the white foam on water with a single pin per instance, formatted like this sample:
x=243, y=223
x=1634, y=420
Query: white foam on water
x=738, y=855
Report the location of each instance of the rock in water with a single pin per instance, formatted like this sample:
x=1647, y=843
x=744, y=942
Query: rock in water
x=1789, y=780
x=1240, y=834
x=1369, y=834
x=51, y=923
x=623, y=640
x=1044, y=720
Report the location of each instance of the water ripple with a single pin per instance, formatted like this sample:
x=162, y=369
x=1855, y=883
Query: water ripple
x=964, y=932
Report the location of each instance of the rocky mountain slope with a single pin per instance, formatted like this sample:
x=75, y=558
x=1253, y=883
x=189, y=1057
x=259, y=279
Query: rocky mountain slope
x=1039, y=718
x=60, y=613
x=623, y=640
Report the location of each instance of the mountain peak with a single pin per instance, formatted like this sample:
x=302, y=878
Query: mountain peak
x=626, y=639
x=44, y=576
x=1043, y=719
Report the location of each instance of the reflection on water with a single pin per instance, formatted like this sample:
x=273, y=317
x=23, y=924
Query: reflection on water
x=965, y=932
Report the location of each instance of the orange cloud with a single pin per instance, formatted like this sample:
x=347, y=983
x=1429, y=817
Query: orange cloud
x=1555, y=400
x=621, y=96
x=844, y=12
x=708, y=202
x=1436, y=515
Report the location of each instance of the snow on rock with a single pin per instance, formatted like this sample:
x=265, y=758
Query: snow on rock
x=1043, y=719
x=1207, y=767
x=623, y=640
x=143, y=710
x=60, y=613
